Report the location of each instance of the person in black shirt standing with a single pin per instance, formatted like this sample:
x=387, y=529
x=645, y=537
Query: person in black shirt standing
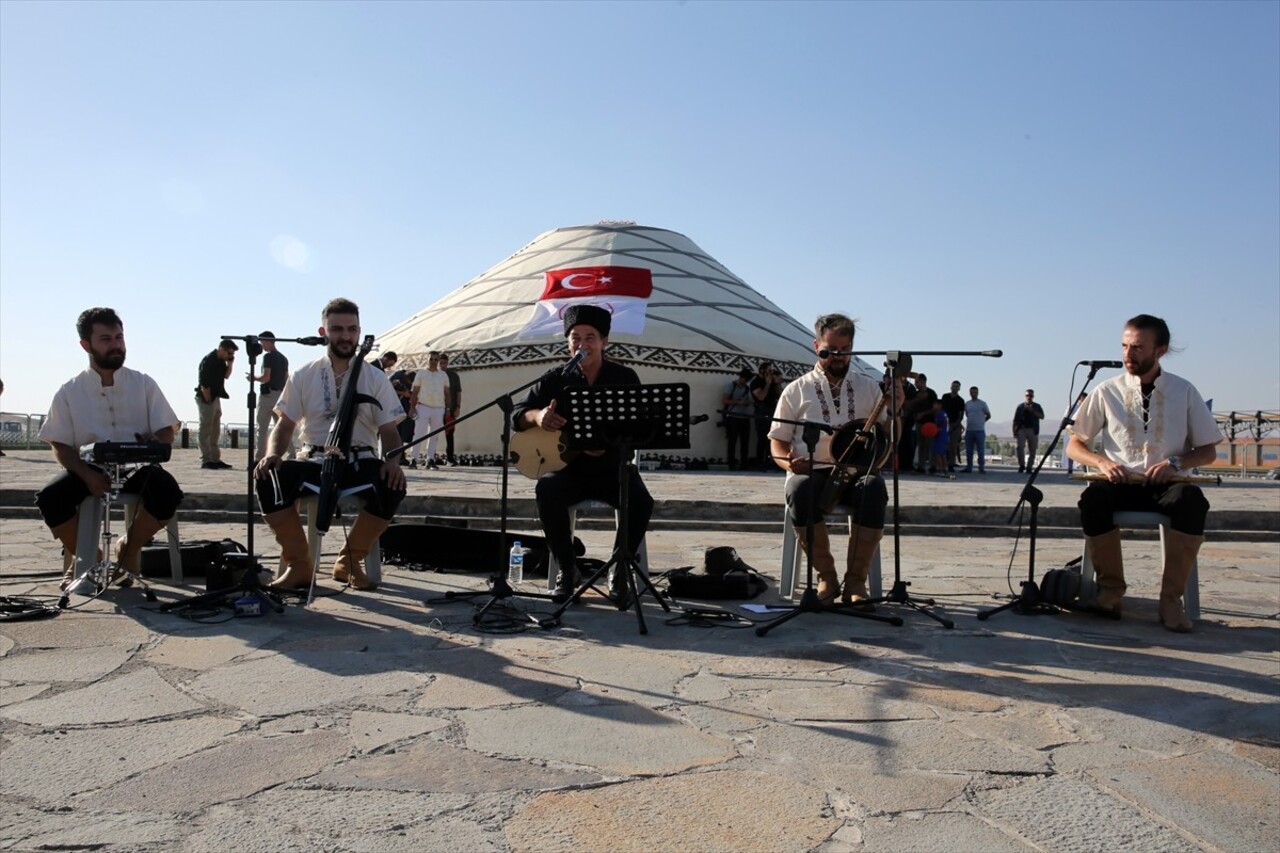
x=766, y=388
x=210, y=392
x=275, y=370
x=592, y=474
x=953, y=405
x=1026, y=429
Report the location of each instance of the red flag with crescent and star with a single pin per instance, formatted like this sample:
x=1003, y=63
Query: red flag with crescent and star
x=622, y=291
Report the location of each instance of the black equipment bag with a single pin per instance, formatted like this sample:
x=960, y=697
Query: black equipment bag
x=724, y=575
x=1062, y=586
x=442, y=547
x=199, y=557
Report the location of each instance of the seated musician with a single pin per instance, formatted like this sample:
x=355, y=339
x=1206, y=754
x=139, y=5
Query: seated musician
x=591, y=475
x=831, y=395
x=1151, y=427
x=107, y=402
x=312, y=396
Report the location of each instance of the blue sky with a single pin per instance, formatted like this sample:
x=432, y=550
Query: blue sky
x=960, y=176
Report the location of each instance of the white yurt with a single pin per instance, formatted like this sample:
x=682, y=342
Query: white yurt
x=678, y=316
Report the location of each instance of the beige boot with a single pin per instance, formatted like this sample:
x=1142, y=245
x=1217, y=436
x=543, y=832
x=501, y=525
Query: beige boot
x=824, y=565
x=349, y=567
x=1180, y=556
x=1108, y=568
x=863, y=542
x=67, y=533
x=129, y=548
x=294, y=550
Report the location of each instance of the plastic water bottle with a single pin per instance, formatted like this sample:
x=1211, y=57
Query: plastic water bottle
x=515, y=566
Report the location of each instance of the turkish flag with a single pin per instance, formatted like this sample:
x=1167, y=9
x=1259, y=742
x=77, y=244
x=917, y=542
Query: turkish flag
x=580, y=282
x=622, y=291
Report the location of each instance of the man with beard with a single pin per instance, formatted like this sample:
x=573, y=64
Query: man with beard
x=1151, y=426
x=107, y=402
x=829, y=394
x=211, y=390
x=312, y=396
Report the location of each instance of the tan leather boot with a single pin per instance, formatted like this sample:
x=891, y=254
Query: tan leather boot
x=1180, y=556
x=294, y=550
x=824, y=565
x=1108, y=569
x=129, y=548
x=863, y=542
x=349, y=567
x=67, y=533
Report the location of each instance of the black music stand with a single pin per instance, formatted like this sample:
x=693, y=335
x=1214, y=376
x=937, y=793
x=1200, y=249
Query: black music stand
x=809, y=601
x=625, y=418
x=899, y=364
x=1029, y=601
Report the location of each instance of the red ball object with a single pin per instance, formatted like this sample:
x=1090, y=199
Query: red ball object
x=929, y=430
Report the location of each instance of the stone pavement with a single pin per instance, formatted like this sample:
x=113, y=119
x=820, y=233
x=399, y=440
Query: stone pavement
x=386, y=721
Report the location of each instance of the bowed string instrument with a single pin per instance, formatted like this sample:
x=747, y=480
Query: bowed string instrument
x=861, y=446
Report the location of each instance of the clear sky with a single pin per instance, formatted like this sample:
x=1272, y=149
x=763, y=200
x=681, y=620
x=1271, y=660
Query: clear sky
x=959, y=176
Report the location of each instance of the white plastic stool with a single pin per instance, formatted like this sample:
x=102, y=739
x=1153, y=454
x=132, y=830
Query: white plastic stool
x=89, y=534
x=1125, y=519
x=792, y=556
x=307, y=505
x=553, y=567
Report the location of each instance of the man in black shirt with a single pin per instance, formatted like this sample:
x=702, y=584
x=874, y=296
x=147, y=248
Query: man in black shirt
x=210, y=392
x=1026, y=429
x=766, y=388
x=592, y=474
x=953, y=405
x=275, y=370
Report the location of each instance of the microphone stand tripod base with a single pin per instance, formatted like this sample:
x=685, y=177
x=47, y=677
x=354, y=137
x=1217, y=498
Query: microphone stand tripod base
x=810, y=603
x=898, y=595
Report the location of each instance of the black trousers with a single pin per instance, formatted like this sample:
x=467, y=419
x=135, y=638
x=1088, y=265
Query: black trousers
x=293, y=476
x=157, y=491
x=558, y=491
x=1184, y=503
x=866, y=497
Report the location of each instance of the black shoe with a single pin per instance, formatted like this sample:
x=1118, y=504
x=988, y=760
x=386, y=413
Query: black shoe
x=223, y=465
x=564, y=588
x=210, y=466
x=619, y=589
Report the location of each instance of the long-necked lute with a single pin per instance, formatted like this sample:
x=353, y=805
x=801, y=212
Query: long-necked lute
x=337, y=445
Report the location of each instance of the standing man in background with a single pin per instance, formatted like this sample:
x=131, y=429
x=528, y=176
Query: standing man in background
x=766, y=388
x=428, y=401
x=976, y=415
x=455, y=406
x=275, y=370
x=738, y=408
x=1026, y=429
x=211, y=390
x=953, y=405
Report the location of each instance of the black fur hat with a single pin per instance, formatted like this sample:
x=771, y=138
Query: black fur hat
x=591, y=315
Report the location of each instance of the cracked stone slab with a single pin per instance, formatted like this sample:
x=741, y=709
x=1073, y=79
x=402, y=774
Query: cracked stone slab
x=619, y=739
x=51, y=767
x=627, y=675
x=65, y=664
x=205, y=653
x=1066, y=814
x=307, y=819
x=1030, y=728
x=277, y=684
x=78, y=631
x=845, y=703
x=476, y=678
x=874, y=793
x=23, y=828
x=442, y=768
x=921, y=831
x=708, y=812
x=372, y=729
x=1230, y=803
x=13, y=694
x=141, y=695
x=703, y=687
x=819, y=752
x=227, y=772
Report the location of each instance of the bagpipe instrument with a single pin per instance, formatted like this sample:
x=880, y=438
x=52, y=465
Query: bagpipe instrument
x=859, y=447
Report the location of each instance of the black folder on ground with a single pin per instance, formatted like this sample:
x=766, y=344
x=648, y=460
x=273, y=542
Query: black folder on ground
x=443, y=547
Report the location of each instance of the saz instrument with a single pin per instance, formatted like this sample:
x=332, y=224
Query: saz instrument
x=1138, y=479
x=536, y=451
x=858, y=447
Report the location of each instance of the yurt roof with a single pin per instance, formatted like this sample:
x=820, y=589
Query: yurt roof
x=700, y=317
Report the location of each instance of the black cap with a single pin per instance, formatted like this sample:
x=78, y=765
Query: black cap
x=589, y=315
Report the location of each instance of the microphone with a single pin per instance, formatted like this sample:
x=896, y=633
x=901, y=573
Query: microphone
x=1094, y=365
x=313, y=341
x=572, y=364
x=697, y=419
x=993, y=353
